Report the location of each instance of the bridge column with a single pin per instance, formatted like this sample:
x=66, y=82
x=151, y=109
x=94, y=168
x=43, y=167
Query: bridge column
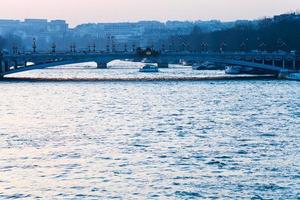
x=101, y=65
x=163, y=65
x=273, y=62
x=283, y=63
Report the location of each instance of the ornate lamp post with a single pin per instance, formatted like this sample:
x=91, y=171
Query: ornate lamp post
x=183, y=46
x=34, y=46
x=163, y=47
x=202, y=47
x=152, y=46
x=113, y=48
x=113, y=45
x=125, y=47
x=73, y=47
x=53, y=47
x=15, y=49
x=108, y=42
x=172, y=48
x=206, y=47
x=94, y=47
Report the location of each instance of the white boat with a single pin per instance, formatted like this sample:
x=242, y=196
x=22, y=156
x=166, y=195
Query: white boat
x=149, y=68
x=232, y=69
x=245, y=70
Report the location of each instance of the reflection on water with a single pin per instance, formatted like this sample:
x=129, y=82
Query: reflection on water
x=148, y=140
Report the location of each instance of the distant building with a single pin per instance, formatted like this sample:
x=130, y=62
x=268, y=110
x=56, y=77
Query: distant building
x=121, y=35
x=8, y=25
x=58, y=26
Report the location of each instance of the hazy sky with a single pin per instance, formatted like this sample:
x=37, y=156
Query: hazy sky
x=81, y=11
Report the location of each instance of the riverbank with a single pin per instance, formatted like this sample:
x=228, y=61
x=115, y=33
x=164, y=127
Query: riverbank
x=138, y=79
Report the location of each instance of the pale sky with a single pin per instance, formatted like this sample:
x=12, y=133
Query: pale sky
x=83, y=11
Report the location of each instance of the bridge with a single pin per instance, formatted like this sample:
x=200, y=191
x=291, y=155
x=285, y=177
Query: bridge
x=275, y=62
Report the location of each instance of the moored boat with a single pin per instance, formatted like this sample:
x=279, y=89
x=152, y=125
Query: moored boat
x=149, y=68
x=232, y=69
x=293, y=76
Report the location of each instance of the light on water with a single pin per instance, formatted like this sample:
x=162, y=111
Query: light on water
x=148, y=140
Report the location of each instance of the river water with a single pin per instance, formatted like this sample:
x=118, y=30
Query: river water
x=148, y=140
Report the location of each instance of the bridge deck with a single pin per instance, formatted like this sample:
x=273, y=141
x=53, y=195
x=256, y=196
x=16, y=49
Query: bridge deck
x=16, y=63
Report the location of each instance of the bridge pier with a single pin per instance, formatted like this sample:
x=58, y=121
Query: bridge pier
x=163, y=65
x=101, y=65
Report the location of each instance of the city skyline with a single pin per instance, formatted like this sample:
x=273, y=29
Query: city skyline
x=93, y=11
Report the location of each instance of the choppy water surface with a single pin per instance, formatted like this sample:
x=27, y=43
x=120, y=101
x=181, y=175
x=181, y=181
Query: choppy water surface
x=149, y=140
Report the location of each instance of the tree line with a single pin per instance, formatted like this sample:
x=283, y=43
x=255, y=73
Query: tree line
x=269, y=34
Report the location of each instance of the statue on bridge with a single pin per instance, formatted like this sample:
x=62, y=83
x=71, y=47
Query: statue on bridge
x=148, y=52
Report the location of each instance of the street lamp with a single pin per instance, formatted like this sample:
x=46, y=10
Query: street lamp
x=183, y=46
x=15, y=49
x=125, y=47
x=113, y=45
x=163, y=47
x=53, y=47
x=203, y=47
x=34, y=46
x=73, y=47
x=94, y=47
x=206, y=46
